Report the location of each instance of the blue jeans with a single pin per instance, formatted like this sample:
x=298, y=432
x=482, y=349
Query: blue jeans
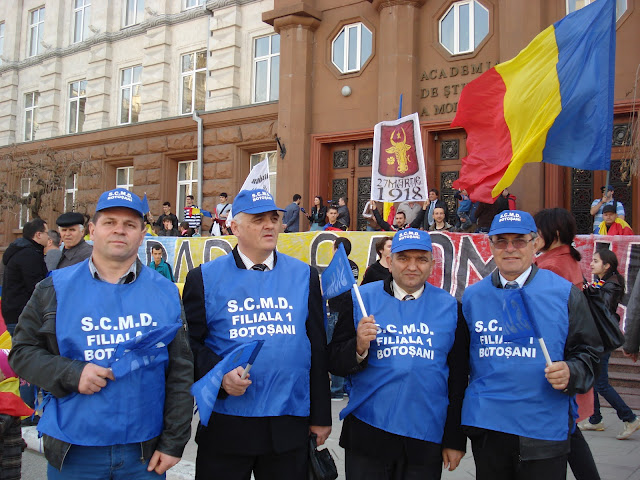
x=117, y=462
x=603, y=388
x=337, y=383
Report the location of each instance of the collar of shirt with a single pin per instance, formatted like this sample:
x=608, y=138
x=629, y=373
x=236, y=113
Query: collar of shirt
x=399, y=293
x=521, y=279
x=128, y=277
x=248, y=263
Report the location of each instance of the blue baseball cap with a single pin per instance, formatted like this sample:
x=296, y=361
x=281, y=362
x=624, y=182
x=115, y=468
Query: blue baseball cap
x=513, y=221
x=254, y=202
x=119, y=197
x=411, y=239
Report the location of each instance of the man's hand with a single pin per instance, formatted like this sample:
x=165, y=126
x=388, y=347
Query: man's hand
x=426, y=204
x=558, y=375
x=451, y=458
x=161, y=462
x=367, y=330
x=233, y=384
x=322, y=433
x=94, y=378
x=632, y=356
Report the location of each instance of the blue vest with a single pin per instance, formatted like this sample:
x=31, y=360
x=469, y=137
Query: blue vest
x=404, y=388
x=245, y=305
x=92, y=318
x=507, y=390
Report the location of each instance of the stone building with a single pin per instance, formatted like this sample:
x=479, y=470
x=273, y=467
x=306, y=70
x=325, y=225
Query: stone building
x=125, y=85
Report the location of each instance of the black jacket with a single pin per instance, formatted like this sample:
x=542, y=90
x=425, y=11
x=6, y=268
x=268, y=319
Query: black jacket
x=581, y=352
x=375, y=272
x=258, y=435
x=35, y=356
x=24, y=267
x=374, y=442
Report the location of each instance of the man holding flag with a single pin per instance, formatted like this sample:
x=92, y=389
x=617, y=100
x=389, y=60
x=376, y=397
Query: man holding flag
x=113, y=355
x=407, y=368
x=517, y=407
x=260, y=423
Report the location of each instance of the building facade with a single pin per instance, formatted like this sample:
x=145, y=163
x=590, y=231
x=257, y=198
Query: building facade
x=124, y=85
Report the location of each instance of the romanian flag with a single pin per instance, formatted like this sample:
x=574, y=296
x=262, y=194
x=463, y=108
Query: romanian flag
x=553, y=102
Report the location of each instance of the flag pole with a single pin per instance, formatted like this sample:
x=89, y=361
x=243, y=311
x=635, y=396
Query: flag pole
x=360, y=303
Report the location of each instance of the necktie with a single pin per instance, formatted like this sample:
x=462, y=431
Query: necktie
x=408, y=297
x=511, y=285
x=260, y=266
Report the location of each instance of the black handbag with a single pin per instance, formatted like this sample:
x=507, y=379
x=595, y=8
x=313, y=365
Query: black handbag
x=321, y=464
x=607, y=322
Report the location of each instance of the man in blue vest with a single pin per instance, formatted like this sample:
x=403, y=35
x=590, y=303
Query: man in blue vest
x=516, y=408
x=98, y=424
x=407, y=364
x=260, y=423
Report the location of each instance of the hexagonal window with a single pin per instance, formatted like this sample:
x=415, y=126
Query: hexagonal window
x=352, y=47
x=573, y=5
x=464, y=26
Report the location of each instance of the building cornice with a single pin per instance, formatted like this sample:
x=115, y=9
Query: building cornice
x=154, y=21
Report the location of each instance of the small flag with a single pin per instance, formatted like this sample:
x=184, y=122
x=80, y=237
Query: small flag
x=206, y=213
x=337, y=277
x=145, y=204
x=143, y=350
x=207, y=388
x=517, y=321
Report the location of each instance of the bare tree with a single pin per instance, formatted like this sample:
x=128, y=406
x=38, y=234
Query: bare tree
x=38, y=181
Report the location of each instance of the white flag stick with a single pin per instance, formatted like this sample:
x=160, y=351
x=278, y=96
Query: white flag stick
x=543, y=346
x=364, y=311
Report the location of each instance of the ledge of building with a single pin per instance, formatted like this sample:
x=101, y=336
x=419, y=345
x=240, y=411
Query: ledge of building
x=300, y=9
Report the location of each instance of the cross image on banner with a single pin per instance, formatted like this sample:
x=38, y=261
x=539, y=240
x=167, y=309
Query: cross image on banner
x=207, y=388
x=517, y=321
x=398, y=172
x=337, y=277
x=142, y=350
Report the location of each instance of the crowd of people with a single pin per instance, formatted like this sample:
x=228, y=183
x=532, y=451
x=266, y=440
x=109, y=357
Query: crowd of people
x=116, y=349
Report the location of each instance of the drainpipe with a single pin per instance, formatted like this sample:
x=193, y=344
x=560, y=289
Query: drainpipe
x=198, y=120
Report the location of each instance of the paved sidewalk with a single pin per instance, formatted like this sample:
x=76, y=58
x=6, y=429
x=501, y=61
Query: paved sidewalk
x=616, y=459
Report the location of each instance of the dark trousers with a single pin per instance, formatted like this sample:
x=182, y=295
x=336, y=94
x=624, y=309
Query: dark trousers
x=580, y=458
x=363, y=467
x=11, y=447
x=497, y=457
x=291, y=465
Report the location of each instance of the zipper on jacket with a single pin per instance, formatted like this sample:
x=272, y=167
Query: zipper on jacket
x=64, y=456
x=141, y=453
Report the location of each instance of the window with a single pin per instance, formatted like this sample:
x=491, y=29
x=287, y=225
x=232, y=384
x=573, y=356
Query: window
x=124, y=178
x=70, y=191
x=193, y=85
x=266, y=68
x=30, y=122
x=192, y=3
x=273, y=167
x=187, y=183
x=464, y=26
x=77, y=102
x=133, y=12
x=573, y=5
x=351, y=48
x=130, y=85
x=25, y=189
x=36, y=30
x=81, y=18
x=1, y=41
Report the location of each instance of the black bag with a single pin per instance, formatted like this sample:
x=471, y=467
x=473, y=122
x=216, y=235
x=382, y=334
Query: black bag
x=321, y=464
x=607, y=322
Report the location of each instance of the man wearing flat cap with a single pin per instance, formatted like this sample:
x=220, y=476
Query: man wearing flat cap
x=406, y=364
x=71, y=228
x=612, y=224
x=260, y=423
x=597, y=206
x=517, y=408
x=115, y=411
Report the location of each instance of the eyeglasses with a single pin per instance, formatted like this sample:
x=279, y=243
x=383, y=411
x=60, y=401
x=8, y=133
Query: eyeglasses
x=503, y=243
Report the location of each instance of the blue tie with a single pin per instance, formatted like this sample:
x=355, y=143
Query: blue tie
x=511, y=285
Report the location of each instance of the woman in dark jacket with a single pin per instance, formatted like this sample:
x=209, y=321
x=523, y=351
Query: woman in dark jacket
x=604, y=266
x=318, y=214
x=380, y=269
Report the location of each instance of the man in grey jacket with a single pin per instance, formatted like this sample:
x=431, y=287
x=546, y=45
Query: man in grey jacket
x=111, y=409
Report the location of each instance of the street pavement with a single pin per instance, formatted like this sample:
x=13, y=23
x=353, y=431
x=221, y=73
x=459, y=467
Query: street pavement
x=616, y=459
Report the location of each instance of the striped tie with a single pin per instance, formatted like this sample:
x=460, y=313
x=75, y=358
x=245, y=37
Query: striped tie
x=511, y=285
x=260, y=267
x=408, y=297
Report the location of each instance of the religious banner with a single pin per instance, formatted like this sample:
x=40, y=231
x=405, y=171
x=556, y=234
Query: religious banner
x=398, y=171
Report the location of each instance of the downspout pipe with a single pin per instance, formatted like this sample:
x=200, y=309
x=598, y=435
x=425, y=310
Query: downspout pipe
x=198, y=120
